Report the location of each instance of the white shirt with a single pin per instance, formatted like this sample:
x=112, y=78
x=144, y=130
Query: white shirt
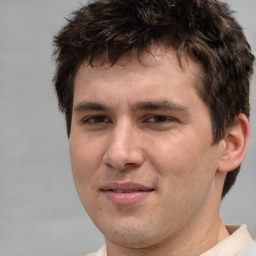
x=239, y=243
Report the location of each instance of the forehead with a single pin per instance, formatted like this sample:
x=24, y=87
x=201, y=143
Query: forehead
x=150, y=60
x=157, y=76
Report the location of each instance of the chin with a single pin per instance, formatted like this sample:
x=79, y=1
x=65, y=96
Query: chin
x=133, y=236
x=131, y=240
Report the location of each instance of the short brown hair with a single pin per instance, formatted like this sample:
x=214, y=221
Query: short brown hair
x=203, y=29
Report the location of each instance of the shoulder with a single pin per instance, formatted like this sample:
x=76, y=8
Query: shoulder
x=249, y=250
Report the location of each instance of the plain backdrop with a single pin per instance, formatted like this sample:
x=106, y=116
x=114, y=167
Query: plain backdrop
x=40, y=213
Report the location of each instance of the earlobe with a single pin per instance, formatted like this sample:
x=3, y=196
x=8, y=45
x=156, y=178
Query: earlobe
x=235, y=144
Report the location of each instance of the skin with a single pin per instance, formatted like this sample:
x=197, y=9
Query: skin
x=145, y=123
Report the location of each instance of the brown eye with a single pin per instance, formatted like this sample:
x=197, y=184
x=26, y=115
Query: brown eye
x=96, y=119
x=159, y=119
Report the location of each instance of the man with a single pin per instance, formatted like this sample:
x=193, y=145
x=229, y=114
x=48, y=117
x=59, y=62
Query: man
x=156, y=99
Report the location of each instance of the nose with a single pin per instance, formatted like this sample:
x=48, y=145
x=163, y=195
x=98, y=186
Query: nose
x=124, y=150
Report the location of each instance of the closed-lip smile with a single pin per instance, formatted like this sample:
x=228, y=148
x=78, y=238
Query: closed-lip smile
x=125, y=193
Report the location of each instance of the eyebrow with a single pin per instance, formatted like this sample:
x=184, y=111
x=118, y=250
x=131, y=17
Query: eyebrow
x=139, y=106
x=160, y=105
x=85, y=105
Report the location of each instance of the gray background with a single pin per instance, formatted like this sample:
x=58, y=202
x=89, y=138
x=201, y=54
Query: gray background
x=40, y=213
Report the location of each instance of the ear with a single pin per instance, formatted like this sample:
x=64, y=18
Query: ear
x=235, y=144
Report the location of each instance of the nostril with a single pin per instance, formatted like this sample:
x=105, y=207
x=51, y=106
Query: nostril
x=127, y=156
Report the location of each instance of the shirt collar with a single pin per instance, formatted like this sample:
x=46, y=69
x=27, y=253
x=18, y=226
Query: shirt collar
x=232, y=245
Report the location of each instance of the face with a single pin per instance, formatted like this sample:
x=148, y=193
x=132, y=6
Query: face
x=141, y=149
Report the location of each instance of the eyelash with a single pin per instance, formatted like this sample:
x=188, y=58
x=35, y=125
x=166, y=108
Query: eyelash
x=160, y=119
x=94, y=120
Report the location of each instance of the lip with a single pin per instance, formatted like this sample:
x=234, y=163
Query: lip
x=126, y=193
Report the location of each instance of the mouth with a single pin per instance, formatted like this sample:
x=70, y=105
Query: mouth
x=126, y=193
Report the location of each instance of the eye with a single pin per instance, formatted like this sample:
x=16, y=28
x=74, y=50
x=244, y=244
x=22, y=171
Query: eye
x=159, y=119
x=160, y=122
x=96, y=120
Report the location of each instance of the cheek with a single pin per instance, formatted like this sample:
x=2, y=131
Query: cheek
x=173, y=155
x=84, y=163
x=184, y=164
x=85, y=158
